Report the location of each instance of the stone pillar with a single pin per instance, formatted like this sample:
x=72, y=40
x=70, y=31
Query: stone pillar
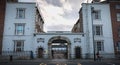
x=49, y=51
x=69, y=52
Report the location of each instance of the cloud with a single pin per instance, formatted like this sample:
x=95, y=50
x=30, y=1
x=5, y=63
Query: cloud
x=59, y=14
x=60, y=27
x=55, y=15
x=54, y=2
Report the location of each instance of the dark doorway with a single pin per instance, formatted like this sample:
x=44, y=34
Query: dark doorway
x=78, y=52
x=40, y=52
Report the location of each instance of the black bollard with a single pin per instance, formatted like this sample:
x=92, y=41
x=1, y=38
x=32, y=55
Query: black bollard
x=31, y=55
x=11, y=57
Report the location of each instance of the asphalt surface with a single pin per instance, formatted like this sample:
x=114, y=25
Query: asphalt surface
x=60, y=62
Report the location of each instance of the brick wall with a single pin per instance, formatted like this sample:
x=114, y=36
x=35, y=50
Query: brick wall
x=2, y=16
x=115, y=23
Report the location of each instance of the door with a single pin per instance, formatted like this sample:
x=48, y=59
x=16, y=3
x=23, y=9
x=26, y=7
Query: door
x=78, y=52
x=40, y=52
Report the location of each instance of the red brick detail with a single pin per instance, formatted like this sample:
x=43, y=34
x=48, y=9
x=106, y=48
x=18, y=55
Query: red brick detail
x=2, y=18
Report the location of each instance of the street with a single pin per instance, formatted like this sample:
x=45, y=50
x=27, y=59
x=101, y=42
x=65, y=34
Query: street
x=59, y=62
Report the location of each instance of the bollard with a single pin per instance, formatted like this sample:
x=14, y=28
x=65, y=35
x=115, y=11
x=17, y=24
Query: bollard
x=11, y=57
x=31, y=54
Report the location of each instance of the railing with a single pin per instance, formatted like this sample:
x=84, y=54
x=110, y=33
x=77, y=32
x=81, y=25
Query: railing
x=16, y=55
x=29, y=55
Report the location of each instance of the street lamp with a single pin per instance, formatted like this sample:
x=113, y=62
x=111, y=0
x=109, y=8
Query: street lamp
x=92, y=11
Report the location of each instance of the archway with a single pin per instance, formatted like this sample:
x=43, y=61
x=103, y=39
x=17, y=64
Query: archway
x=59, y=47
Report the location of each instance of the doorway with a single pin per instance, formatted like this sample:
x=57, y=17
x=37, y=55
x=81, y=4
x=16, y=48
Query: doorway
x=59, y=48
x=78, y=53
x=40, y=52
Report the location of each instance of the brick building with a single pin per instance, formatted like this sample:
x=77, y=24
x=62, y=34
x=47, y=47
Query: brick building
x=2, y=17
x=115, y=19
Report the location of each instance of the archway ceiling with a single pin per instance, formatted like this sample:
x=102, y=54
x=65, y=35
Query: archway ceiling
x=59, y=41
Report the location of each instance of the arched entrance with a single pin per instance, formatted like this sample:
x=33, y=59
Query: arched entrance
x=59, y=47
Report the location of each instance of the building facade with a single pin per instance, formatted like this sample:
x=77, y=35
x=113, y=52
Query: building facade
x=2, y=17
x=97, y=27
x=21, y=21
x=23, y=31
x=115, y=19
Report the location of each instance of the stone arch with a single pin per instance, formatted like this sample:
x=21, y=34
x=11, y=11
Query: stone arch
x=59, y=38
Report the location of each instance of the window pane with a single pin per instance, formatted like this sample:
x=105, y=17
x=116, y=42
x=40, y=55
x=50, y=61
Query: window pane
x=20, y=12
x=19, y=45
x=19, y=30
x=99, y=46
x=97, y=30
x=118, y=6
x=18, y=50
x=118, y=16
x=97, y=15
x=118, y=46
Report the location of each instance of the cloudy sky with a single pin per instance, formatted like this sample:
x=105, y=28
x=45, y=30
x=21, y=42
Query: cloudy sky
x=59, y=15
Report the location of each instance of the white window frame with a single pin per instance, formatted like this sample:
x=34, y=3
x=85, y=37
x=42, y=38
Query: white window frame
x=17, y=47
x=101, y=47
x=97, y=14
x=19, y=30
x=98, y=32
x=20, y=14
x=118, y=16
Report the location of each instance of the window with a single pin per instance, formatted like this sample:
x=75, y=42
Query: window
x=118, y=45
x=118, y=16
x=20, y=13
x=97, y=14
x=18, y=45
x=118, y=6
x=99, y=45
x=19, y=28
x=119, y=31
x=98, y=30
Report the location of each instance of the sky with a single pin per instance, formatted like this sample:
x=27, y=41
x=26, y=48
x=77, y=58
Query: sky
x=59, y=15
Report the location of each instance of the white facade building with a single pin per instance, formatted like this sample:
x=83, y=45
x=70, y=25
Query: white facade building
x=23, y=31
x=19, y=26
x=97, y=23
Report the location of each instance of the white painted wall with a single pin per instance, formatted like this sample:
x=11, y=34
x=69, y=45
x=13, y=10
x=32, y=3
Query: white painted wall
x=70, y=36
x=105, y=21
x=9, y=29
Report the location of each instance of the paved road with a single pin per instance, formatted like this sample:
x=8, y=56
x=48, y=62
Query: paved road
x=59, y=62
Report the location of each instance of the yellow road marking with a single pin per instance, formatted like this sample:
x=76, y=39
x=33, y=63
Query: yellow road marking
x=57, y=64
x=43, y=64
x=65, y=64
x=79, y=64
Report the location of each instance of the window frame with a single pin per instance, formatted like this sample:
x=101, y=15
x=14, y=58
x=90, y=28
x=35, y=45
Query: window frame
x=118, y=16
x=97, y=15
x=18, y=48
x=101, y=47
x=96, y=30
x=18, y=13
x=17, y=26
x=118, y=46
